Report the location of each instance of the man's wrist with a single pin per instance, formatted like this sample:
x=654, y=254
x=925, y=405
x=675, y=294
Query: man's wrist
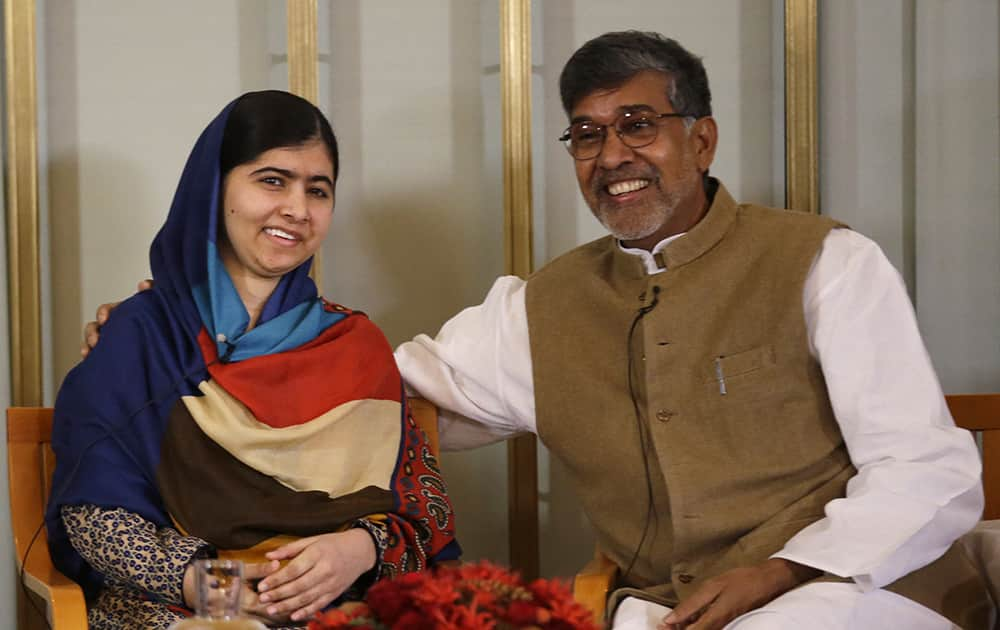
x=787, y=574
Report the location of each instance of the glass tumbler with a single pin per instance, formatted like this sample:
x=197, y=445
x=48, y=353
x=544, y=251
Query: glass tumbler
x=219, y=585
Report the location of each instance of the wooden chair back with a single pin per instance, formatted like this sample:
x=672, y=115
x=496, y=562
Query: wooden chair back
x=425, y=414
x=30, y=463
x=980, y=413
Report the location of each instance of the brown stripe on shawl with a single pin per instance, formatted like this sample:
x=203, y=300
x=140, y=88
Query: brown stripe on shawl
x=212, y=495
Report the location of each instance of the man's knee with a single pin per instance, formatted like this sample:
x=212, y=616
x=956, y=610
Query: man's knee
x=765, y=620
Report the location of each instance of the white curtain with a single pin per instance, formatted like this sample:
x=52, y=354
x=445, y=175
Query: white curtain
x=910, y=156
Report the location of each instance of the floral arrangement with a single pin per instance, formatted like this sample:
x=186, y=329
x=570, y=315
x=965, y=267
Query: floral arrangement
x=467, y=597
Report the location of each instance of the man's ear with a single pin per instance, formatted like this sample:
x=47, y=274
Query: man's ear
x=704, y=136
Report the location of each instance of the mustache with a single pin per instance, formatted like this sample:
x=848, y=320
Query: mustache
x=604, y=178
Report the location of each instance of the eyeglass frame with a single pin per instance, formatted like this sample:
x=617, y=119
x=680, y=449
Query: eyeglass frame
x=566, y=137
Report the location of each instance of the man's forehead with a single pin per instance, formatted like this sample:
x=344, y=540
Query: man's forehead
x=646, y=90
x=630, y=108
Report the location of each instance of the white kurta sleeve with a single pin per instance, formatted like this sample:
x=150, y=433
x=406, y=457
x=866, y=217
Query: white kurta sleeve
x=918, y=483
x=477, y=370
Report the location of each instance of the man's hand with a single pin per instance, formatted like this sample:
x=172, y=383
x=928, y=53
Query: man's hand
x=322, y=567
x=91, y=332
x=727, y=596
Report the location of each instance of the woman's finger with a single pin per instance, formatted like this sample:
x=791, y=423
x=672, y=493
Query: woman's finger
x=317, y=605
x=258, y=570
x=282, y=583
x=293, y=548
x=296, y=602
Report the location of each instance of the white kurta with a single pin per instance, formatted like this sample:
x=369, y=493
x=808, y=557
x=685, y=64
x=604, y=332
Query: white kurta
x=918, y=483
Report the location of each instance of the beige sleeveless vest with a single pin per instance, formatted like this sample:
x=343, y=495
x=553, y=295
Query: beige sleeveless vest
x=741, y=446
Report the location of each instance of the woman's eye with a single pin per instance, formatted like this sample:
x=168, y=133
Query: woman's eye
x=318, y=192
x=271, y=180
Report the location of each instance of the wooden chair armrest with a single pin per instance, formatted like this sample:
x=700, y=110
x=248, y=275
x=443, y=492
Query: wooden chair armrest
x=66, y=606
x=593, y=584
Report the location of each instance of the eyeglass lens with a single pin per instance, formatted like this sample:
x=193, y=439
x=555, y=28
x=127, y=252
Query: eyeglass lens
x=636, y=129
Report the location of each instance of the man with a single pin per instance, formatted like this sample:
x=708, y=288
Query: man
x=740, y=394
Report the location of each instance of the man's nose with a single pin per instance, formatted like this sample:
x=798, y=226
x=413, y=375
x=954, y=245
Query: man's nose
x=614, y=153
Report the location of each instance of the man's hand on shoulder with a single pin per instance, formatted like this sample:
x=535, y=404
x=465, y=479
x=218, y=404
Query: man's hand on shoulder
x=727, y=596
x=92, y=330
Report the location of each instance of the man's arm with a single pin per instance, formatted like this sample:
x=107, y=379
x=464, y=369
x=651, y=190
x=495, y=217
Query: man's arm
x=918, y=485
x=477, y=370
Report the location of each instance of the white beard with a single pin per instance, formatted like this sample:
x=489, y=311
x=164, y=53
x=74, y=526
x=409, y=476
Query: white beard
x=632, y=224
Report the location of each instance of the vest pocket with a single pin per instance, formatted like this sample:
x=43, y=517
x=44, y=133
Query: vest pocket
x=728, y=371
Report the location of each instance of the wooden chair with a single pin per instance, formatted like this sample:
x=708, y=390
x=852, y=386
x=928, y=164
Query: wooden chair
x=30, y=463
x=979, y=413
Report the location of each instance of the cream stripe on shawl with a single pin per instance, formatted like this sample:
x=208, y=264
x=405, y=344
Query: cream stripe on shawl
x=350, y=447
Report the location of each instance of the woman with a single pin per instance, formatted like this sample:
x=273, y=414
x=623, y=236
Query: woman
x=230, y=410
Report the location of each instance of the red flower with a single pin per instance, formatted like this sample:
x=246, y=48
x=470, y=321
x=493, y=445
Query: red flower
x=550, y=590
x=435, y=593
x=527, y=614
x=413, y=620
x=390, y=602
x=339, y=617
x=479, y=596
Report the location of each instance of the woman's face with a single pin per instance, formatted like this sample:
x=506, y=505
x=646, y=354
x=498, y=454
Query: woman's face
x=277, y=210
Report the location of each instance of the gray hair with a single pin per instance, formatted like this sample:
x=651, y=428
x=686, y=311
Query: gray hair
x=610, y=60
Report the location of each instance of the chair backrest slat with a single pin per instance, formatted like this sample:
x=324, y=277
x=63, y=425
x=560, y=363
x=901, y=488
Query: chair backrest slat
x=980, y=413
x=29, y=466
x=425, y=414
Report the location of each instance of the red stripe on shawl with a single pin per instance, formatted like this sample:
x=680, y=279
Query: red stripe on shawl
x=350, y=360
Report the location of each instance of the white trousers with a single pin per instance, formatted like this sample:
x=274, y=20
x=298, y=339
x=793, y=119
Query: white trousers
x=821, y=606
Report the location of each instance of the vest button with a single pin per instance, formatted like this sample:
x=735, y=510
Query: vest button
x=685, y=578
x=664, y=415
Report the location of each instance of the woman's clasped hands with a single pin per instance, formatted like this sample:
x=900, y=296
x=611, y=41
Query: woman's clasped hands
x=319, y=569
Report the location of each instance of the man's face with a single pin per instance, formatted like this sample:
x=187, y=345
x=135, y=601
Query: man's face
x=644, y=195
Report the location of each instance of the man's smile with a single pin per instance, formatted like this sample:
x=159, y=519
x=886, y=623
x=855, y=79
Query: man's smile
x=627, y=186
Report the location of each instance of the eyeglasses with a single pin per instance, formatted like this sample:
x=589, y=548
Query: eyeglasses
x=585, y=139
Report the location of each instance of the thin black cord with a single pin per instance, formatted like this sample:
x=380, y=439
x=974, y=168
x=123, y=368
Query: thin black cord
x=644, y=439
x=111, y=432
x=24, y=584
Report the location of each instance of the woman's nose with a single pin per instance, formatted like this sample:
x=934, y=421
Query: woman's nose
x=295, y=207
